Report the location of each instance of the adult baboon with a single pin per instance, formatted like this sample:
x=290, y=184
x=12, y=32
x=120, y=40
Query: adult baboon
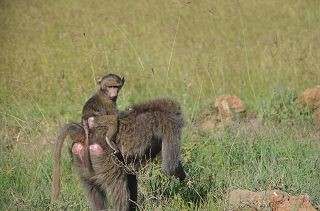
x=143, y=132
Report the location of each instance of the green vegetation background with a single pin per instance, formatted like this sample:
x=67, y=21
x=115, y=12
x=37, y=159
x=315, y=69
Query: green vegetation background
x=265, y=52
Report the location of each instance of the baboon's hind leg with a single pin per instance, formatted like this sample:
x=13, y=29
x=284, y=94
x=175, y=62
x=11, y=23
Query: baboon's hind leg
x=133, y=188
x=96, y=197
x=118, y=192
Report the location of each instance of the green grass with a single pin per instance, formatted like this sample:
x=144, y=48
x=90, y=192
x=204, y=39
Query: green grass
x=265, y=52
x=214, y=164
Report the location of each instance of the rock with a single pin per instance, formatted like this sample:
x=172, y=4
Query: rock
x=310, y=98
x=244, y=199
x=227, y=106
x=275, y=200
x=230, y=102
x=223, y=113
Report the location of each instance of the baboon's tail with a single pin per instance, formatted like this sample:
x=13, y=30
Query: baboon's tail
x=76, y=132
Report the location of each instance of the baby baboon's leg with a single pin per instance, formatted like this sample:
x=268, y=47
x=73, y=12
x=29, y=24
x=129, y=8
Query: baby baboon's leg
x=112, y=145
x=112, y=130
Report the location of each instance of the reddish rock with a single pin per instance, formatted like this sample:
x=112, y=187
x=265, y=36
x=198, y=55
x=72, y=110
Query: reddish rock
x=227, y=106
x=230, y=102
x=310, y=98
x=282, y=201
x=275, y=200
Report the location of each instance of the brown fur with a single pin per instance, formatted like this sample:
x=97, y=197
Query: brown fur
x=101, y=104
x=145, y=131
x=76, y=133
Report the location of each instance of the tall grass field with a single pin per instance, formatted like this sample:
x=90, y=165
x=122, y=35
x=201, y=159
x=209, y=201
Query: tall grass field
x=265, y=52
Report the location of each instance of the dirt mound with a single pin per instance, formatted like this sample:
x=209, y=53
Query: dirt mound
x=222, y=113
x=316, y=116
x=310, y=98
x=227, y=106
x=228, y=110
x=267, y=200
x=226, y=103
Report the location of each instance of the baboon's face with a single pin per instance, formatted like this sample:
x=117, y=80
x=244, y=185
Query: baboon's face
x=111, y=85
x=112, y=91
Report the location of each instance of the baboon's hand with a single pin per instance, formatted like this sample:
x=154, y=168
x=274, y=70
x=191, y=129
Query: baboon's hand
x=92, y=122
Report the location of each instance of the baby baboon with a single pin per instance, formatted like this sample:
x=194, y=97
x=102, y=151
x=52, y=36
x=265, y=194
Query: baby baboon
x=102, y=103
x=143, y=132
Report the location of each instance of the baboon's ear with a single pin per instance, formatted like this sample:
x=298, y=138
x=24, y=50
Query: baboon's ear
x=123, y=80
x=99, y=81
